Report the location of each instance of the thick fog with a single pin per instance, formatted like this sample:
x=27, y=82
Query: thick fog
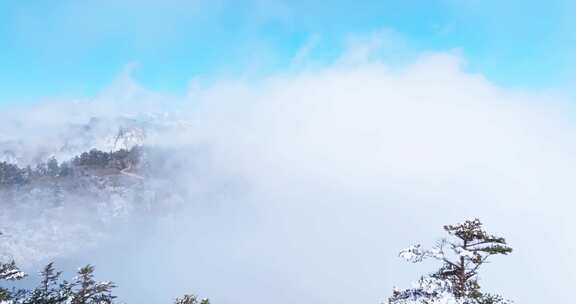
x=302, y=187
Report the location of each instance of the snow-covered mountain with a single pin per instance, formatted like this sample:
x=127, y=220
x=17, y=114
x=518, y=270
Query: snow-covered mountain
x=80, y=206
x=105, y=134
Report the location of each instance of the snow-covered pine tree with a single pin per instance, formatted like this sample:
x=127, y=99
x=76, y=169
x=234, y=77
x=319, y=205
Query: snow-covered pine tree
x=9, y=272
x=50, y=289
x=85, y=290
x=456, y=282
x=190, y=299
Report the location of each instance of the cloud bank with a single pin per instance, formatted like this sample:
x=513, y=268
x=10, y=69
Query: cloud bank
x=330, y=170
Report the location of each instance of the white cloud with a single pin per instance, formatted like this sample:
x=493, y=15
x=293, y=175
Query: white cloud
x=341, y=166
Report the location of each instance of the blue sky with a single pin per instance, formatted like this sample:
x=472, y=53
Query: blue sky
x=75, y=48
x=360, y=149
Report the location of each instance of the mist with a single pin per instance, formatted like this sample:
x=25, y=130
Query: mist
x=304, y=185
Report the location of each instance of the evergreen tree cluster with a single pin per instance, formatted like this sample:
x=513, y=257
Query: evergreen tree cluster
x=120, y=159
x=12, y=175
x=82, y=289
x=461, y=255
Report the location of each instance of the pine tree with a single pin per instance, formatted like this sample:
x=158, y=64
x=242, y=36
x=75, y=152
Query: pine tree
x=462, y=254
x=52, y=167
x=50, y=290
x=9, y=272
x=190, y=299
x=85, y=290
x=11, y=175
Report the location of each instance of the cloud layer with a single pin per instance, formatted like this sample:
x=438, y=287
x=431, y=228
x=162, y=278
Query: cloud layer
x=330, y=171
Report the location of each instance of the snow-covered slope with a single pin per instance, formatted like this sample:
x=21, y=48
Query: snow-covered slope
x=105, y=134
x=49, y=215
